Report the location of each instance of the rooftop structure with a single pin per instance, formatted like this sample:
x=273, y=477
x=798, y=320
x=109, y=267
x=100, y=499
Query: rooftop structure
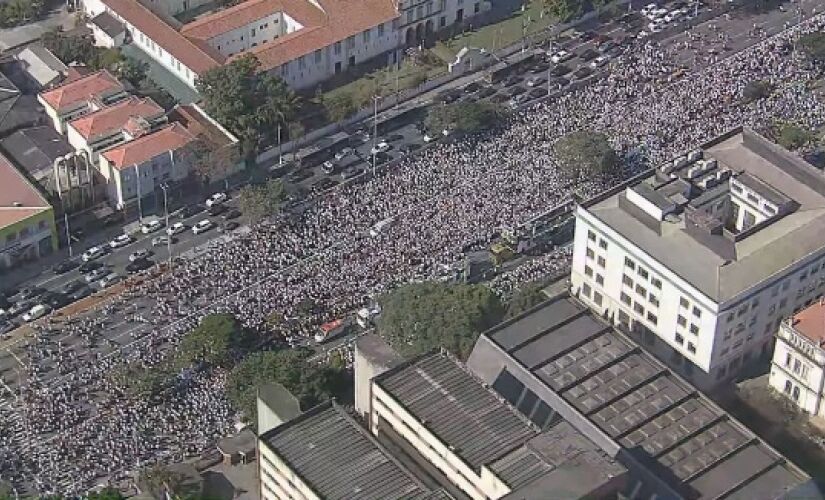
x=169, y=138
x=94, y=86
x=35, y=150
x=41, y=65
x=113, y=119
x=19, y=199
x=17, y=110
x=675, y=441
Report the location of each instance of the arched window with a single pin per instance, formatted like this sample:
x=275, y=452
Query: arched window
x=796, y=393
x=787, y=387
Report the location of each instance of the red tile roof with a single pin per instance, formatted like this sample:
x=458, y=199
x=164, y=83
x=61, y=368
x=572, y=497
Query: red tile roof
x=199, y=125
x=250, y=11
x=169, y=138
x=810, y=322
x=114, y=118
x=19, y=199
x=195, y=55
x=82, y=89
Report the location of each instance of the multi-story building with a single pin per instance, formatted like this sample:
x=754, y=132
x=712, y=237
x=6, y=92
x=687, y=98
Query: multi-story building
x=702, y=259
x=27, y=228
x=798, y=366
x=303, y=41
x=81, y=96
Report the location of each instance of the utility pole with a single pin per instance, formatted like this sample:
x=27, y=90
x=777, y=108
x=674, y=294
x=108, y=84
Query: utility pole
x=140, y=208
x=280, y=152
x=163, y=188
x=375, y=99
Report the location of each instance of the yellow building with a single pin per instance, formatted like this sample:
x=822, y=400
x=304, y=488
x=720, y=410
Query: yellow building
x=27, y=228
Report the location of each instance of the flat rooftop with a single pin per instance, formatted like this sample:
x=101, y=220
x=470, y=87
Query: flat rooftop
x=749, y=257
x=339, y=459
x=618, y=394
x=810, y=322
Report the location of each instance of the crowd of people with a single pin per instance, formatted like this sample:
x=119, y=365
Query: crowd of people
x=76, y=428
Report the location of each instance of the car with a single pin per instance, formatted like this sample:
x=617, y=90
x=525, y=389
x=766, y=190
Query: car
x=71, y=287
x=109, y=280
x=324, y=184
x=485, y=92
x=96, y=274
x=6, y=327
x=587, y=35
x=19, y=307
x=232, y=214
x=216, y=199
x=112, y=219
x=514, y=91
x=203, y=226
x=448, y=96
x=151, y=226
x=328, y=167
x=138, y=265
x=655, y=27
x=229, y=226
x=36, y=312
x=187, y=211
x=393, y=138
x=121, y=241
x=537, y=92
x=90, y=266
x=340, y=155
x=517, y=100
x=216, y=209
x=500, y=98
x=381, y=147
x=65, y=266
x=176, y=228
x=80, y=293
x=673, y=16
x=583, y=72
x=471, y=87
x=163, y=240
x=647, y=9
x=139, y=255
x=589, y=54
x=55, y=300
x=299, y=175
x=535, y=81
x=511, y=80
x=599, y=62
x=561, y=56
x=351, y=172
x=560, y=70
x=29, y=293
x=93, y=253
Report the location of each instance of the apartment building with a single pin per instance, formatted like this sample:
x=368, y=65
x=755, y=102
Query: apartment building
x=798, y=365
x=304, y=41
x=703, y=258
x=80, y=97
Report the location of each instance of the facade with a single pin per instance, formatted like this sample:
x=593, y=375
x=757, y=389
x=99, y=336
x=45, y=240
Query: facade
x=702, y=259
x=80, y=97
x=108, y=31
x=798, y=365
x=137, y=168
x=304, y=41
x=27, y=228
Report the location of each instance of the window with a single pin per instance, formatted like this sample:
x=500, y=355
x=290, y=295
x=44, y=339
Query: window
x=797, y=366
x=318, y=56
x=603, y=244
x=656, y=283
x=337, y=48
x=796, y=393
x=625, y=298
x=381, y=29
x=600, y=261
x=590, y=253
x=652, y=318
x=694, y=329
x=786, y=284
x=629, y=263
x=588, y=271
x=788, y=386
x=643, y=273
x=419, y=11
x=442, y=21
x=697, y=312
x=653, y=300
x=679, y=339
x=683, y=302
x=476, y=8
x=627, y=280
x=254, y=31
x=600, y=279
x=681, y=320
x=366, y=36
x=641, y=290
x=586, y=290
x=597, y=298
x=691, y=348
x=639, y=309
x=351, y=42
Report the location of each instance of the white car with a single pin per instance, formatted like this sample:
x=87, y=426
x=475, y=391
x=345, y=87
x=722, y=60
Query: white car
x=109, y=280
x=151, y=226
x=176, y=228
x=203, y=226
x=381, y=147
x=216, y=199
x=340, y=155
x=647, y=9
x=599, y=62
x=121, y=241
x=93, y=253
x=36, y=312
x=656, y=26
x=160, y=240
x=139, y=255
x=328, y=167
x=560, y=57
x=673, y=16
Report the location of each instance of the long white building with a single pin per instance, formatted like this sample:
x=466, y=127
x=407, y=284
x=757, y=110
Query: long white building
x=303, y=41
x=702, y=259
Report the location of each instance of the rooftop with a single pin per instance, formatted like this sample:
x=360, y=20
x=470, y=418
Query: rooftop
x=630, y=403
x=238, y=16
x=169, y=138
x=41, y=65
x=19, y=199
x=108, y=24
x=338, y=459
x=697, y=240
x=112, y=119
x=35, y=149
x=810, y=322
x=95, y=85
x=17, y=110
x=193, y=118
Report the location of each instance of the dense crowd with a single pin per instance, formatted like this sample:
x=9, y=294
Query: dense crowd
x=76, y=428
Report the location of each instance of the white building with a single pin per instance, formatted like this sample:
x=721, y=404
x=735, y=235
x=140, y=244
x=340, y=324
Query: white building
x=798, y=366
x=702, y=259
x=80, y=97
x=304, y=41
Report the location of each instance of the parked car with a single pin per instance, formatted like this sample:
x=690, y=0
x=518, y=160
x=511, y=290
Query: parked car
x=151, y=226
x=187, y=211
x=121, y=241
x=80, y=293
x=55, y=300
x=343, y=153
x=299, y=175
x=138, y=265
x=65, y=266
x=328, y=167
x=599, y=62
x=216, y=209
x=163, y=240
x=203, y=226
x=176, y=228
x=90, y=266
x=97, y=274
x=31, y=292
x=139, y=255
x=109, y=280
x=561, y=56
x=93, y=253
x=351, y=172
x=72, y=286
x=485, y=92
x=36, y=312
x=229, y=226
x=589, y=54
x=381, y=147
x=233, y=213
x=535, y=81
x=216, y=198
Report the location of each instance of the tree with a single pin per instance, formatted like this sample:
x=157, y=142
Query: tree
x=813, y=45
x=793, y=136
x=215, y=341
x=464, y=117
x=158, y=479
x=310, y=383
x=564, y=10
x=106, y=59
x=208, y=161
x=339, y=106
x=250, y=104
x=755, y=90
x=70, y=48
x=258, y=202
x=525, y=298
x=419, y=317
x=585, y=152
x=106, y=494
x=131, y=70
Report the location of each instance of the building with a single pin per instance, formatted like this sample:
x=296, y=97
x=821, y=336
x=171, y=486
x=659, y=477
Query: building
x=137, y=168
x=325, y=454
x=42, y=67
x=561, y=360
x=458, y=432
x=108, y=31
x=27, y=228
x=17, y=109
x=798, y=366
x=702, y=258
x=81, y=96
x=304, y=42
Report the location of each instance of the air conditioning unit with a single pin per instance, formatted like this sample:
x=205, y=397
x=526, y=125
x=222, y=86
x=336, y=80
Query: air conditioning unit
x=723, y=175
x=694, y=155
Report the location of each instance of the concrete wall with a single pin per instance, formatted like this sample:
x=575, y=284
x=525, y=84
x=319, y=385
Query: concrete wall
x=797, y=370
x=255, y=33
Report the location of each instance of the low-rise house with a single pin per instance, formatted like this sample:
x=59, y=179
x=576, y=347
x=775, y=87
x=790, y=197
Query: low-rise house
x=80, y=97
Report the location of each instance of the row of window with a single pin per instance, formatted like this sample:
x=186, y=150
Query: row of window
x=24, y=232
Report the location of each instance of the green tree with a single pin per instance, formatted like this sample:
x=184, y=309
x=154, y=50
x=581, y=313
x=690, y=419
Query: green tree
x=813, y=45
x=792, y=136
x=564, y=10
x=525, y=298
x=419, y=317
x=259, y=202
x=339, y=106
x=106, y=59
x=585, y=152
x=209, y=162
x=106, y=494
x=310, y=383
x=465, y=117
x=131, y=70
x=216, y=341
x=158, y=479
x=755, y=90
x=71, y=48
x=249, y=103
